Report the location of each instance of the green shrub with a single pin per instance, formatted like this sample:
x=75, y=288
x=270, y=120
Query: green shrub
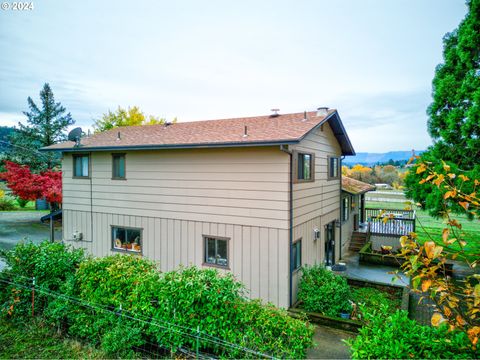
x=52, y=264
x=176, y=304
x=322, y=291
x=389, y=335
x=109, y=284
x=374, y=298
x=22, y=202
x=6, y=203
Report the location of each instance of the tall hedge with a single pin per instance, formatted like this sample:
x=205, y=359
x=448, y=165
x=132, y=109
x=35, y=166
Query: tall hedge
x=123, y=302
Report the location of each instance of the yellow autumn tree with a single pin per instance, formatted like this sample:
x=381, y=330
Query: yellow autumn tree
x=456, y=302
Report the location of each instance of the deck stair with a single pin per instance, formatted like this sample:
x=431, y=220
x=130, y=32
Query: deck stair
x=358, y=240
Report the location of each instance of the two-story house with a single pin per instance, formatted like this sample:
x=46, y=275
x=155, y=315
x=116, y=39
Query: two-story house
x=257, y=196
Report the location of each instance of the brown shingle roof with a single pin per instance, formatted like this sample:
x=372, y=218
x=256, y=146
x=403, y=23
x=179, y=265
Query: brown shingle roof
x=261, y=130
x=355, y=187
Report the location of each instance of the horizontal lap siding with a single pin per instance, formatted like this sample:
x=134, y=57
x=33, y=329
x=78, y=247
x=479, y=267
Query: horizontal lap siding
x=257, y=255
x=235, y=186
x=177, y=196
x=317, y=203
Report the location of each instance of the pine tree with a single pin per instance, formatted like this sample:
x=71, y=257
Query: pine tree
x=454, y=114
x=45, y=126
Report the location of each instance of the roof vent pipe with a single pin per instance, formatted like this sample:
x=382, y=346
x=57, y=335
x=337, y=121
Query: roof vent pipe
x=275, y=112
x=119, y=136
x=305, y=116
x=245, y=132
x=322, y=111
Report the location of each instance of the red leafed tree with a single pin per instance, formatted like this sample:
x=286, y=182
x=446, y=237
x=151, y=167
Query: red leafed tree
x=30, y=186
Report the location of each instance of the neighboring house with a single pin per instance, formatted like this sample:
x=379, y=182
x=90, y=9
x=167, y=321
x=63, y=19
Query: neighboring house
x=353, y=214
x=255, y=196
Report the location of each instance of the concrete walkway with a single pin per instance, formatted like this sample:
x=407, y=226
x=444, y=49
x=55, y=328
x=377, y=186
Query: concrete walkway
x=329, y=344
x=371, y=272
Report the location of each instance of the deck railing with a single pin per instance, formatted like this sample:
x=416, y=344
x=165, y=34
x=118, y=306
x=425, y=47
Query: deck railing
x=400, y=222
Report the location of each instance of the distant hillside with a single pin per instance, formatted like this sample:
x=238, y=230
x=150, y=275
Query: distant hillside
x=365, y=158
x=5, y=132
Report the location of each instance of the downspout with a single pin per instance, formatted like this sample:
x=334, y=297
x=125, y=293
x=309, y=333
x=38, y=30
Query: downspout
x=91, y=194
x=284, y=148
x=341, y=203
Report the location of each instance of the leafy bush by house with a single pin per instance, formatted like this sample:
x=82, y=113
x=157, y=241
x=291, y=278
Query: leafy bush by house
x=22, y=202
x=322, y=291
x=51, y=264
x=389, y=335
x=6, y=202
x=178, y=306
x=374, y=298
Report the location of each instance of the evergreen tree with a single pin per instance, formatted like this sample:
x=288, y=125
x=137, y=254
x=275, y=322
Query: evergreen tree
x=46, y=125
x=454, y=114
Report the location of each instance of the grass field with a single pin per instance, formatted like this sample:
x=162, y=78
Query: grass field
x=429, y=228
x=36, y=341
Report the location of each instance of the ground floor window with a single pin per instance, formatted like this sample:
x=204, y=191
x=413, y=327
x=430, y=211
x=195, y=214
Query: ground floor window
x=216, y=251
x=127, y=239
x=297, y=254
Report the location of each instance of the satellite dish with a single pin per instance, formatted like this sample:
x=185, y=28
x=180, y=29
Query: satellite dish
x=75, y=134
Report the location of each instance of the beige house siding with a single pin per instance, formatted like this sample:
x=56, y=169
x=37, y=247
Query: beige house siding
x=242, y=186
x=313, y=251
x=177, y=196
x=257, y=255
x=347, y=226
x=316, y=203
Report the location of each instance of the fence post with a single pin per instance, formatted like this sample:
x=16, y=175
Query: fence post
x=198, y=340
x=33, y=296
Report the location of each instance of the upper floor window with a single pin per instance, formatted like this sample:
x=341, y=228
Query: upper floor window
x=118, y=166
x=81, y=167
x=333, y=167
x=305, y=167
x=216, y=251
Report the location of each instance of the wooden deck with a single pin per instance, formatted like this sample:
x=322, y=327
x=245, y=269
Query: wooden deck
x=400, y=222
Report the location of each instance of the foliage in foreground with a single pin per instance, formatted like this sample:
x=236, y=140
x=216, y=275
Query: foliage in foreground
x=389, y=335
x=35, y=340
x=457, y=303
x=51, y=264
x=322, y=291
x=120, y=302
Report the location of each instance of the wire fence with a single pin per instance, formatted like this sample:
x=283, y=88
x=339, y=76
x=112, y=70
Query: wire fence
x=194, y=343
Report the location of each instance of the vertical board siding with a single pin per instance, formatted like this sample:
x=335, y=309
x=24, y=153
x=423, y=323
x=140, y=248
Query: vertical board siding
x=347, y=226
x=316, y=203
x=258, y=256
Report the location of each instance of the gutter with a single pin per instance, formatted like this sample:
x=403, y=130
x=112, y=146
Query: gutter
x=341, y=204
x=290, y=218
x=171, y=146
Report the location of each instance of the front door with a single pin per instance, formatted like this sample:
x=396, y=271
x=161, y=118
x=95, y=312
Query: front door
x=330, y=244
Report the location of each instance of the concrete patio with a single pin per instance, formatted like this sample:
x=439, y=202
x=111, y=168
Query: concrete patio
x=371, y=272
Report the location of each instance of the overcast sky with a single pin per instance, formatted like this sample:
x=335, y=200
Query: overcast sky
x=372, y=60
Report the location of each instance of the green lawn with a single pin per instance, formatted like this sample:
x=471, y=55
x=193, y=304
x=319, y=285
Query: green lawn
x=36, y=341
x=429, y=228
